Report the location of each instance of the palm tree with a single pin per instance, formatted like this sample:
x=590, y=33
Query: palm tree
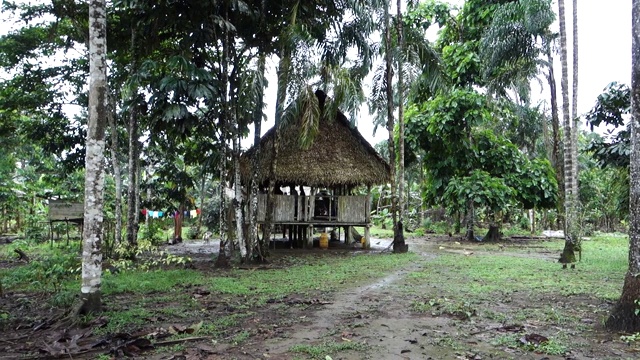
x=572, y=240
x=624, y=315
x=400, y=61
x=94, y=172
x=574, y=104
x=512, y=48
x=390, y=120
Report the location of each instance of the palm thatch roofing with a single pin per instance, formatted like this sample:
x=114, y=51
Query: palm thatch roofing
x=338, y=155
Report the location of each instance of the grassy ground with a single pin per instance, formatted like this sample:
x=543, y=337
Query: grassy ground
x=473, y=286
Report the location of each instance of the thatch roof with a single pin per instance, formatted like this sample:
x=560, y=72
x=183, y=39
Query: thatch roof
x=339, y=155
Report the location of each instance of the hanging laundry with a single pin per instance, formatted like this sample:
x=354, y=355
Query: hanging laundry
x=160, y=213
x=198, y=211
x=144, y=212
x=186, y=214
x=193, y=213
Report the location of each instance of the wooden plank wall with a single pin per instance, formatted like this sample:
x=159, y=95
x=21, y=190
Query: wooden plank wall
x=262, y=205
x=352, y=208
x=284, y=208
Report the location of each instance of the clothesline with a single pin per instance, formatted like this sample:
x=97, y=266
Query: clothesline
x=171, y=214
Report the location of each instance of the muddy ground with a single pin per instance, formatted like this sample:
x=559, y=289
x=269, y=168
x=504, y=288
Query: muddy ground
x=373, y=321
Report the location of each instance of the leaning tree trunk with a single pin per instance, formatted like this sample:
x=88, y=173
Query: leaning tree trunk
x=94, y=166
x=623, y=316
x=572, y=241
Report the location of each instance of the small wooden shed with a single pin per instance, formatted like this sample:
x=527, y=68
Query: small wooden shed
x=321, y=177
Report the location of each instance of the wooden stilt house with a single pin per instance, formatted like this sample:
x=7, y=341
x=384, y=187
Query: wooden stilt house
x=317, y=181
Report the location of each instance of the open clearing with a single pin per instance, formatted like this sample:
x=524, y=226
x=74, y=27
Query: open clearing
x=445, y=300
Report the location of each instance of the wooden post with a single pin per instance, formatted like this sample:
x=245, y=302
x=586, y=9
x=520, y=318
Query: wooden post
x=310, y=238
x=367, y=217
x=67, y=228
x=347, y=235
x=367, y=237
x=50, y=232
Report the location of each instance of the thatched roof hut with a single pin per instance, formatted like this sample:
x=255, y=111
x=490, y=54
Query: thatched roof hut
x=339, y=155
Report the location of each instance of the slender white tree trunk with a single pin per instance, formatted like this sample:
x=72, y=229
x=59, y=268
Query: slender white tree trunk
x=117, y=173
x=94, y=163
x=238, y=201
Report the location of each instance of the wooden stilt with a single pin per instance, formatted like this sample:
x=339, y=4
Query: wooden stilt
x=367, y=216
x=348, y=239
x=310, y=237
x=367, y=237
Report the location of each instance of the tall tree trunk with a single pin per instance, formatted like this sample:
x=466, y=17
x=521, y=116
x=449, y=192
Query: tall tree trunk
x=94, y=163
x=257, y=121
x=555, y=125
x=116, y=172
x=398, y=235
x=132, y=225
x=574, y=112
x=284, y=66
x=203, y=196
x=623, y=316
x=390, y=119
x=238, y=201
x=224, y=121
x=572, y=242
x=222, y=170
x=469, y=220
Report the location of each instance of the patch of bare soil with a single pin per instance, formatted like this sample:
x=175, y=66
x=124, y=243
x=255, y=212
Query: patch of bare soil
x=375, y=318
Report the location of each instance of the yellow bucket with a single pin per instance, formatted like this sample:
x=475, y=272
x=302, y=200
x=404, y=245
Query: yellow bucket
x=324, y=241
x=363, y=240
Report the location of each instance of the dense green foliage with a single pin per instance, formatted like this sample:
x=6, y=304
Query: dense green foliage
x=196, y=86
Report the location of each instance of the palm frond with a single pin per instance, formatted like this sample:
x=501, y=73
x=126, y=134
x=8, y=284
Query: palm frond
x=304, y=112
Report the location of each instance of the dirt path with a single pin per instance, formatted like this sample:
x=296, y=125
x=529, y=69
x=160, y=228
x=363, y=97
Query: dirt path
x=376, y=322
x=376, y=316
x=365, y=314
